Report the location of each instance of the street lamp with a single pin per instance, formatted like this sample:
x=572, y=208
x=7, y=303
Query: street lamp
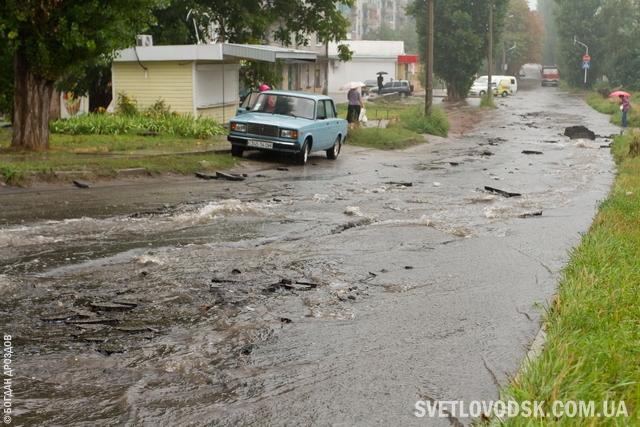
x=504, y=51
x=504, y=54
x=575, y=40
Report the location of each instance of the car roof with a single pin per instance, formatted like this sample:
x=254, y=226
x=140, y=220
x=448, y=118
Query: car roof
x=314, y=96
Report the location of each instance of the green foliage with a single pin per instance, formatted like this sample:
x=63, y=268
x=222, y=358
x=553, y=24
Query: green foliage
x=156, y=119
x=609, y=28
x=406, y=33
x=389, y=138
x=487, y=101
x=611, y=106
x=521, y=39
x=62, y=38
x=255, y=73
x=126, y=106
x=461, y=38
x=415, y=120
x=546, y=10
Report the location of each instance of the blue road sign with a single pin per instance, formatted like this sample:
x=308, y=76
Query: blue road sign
x=586, y=65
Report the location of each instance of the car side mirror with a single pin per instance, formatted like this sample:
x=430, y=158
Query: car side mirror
x=248, y=108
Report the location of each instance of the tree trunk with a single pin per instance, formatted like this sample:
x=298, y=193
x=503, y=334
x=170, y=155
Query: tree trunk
x=32, y=97
x=453, y=92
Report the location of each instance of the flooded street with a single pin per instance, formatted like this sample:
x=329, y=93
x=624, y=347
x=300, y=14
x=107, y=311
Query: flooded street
x=333, y=294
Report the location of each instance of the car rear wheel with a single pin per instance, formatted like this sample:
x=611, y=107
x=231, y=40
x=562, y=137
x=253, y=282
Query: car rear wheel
x=303, y=154
x=482, y=93
x=236, y=151
x=333, y=152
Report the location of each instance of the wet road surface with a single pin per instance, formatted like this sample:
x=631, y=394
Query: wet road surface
x=334, y=294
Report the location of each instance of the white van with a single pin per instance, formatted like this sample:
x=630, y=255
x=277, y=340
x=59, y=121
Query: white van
x=479, y=87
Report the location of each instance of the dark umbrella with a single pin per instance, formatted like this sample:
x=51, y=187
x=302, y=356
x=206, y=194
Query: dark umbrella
x=382, y=72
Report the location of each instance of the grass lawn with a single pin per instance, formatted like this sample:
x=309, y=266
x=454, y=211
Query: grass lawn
x=103, y=155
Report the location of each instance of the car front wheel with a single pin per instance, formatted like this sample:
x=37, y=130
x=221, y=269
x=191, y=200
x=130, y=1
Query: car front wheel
x=303, y=154
x=482, y=93
x=334, y=151
x=504, y=94
x=236, y=151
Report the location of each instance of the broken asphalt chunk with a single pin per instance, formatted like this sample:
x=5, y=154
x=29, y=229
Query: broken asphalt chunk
x=206, y=175
x=81, y=184
x=501, y=192
x=399, y=184
x=576, y=132
x=531, y=152
x=230, y=176
x=530, y=214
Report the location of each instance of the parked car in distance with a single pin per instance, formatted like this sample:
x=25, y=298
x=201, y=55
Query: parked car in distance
x=501, y=87
x=549, y=75
x=479, y=87
x=403, y=87
x=370, y=84
x=296, y=123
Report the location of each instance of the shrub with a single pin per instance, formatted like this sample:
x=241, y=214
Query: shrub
x=415, y=120
x=126, y=106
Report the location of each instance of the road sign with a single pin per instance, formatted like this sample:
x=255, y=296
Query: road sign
x=586, y=65
x=586, y=58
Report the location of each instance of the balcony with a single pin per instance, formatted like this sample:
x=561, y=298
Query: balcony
x=369, y=7
x=369, y=22
x=400, y=13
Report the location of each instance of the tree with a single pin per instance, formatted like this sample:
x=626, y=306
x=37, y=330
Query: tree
x=580, y=22
x=460, y=38
x=50, y=39
x=525, y=31
x=546, y=10
x=407, y=34
x=285, y=22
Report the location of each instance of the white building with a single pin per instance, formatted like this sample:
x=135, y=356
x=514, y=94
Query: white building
x=370, y=57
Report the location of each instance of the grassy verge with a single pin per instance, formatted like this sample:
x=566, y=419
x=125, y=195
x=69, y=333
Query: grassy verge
x=103, y=155
x=592, y=348
x=405, y=126
x=611, y=106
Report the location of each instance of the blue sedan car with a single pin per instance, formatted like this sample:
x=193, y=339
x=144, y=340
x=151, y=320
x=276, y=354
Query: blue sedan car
x=297, y=123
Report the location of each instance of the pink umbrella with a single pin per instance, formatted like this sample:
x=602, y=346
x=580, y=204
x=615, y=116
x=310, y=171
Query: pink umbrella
x=618, y=93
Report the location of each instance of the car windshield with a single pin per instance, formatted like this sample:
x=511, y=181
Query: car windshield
x=481, y=81
x=285, y=105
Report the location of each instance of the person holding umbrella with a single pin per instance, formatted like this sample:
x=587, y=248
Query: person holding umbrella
x=380, y=81
x=625, y=106
x=356, y=103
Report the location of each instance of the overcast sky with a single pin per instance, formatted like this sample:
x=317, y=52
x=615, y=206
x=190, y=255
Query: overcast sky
x=532, y=4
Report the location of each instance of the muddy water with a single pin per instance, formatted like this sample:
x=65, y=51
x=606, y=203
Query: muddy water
x=339, y=293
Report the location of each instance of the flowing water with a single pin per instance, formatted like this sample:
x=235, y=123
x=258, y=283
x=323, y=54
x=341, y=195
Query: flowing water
x=338, y=293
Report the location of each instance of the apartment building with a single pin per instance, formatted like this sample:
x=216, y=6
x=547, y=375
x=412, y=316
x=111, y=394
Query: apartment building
x=367, y=15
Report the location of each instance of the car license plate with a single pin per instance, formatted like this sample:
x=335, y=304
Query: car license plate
x=260, y=144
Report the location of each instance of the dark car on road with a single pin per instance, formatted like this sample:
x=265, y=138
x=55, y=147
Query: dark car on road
x=403, y=87
x=369, y=84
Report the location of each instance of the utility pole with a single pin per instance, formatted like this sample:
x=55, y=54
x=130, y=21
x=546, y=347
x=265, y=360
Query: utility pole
x=490, y=58
x=429, y=60
x=586, y=55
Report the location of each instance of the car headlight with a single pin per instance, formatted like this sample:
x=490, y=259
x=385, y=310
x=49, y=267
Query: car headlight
x=239, y=127
x=287, y=133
